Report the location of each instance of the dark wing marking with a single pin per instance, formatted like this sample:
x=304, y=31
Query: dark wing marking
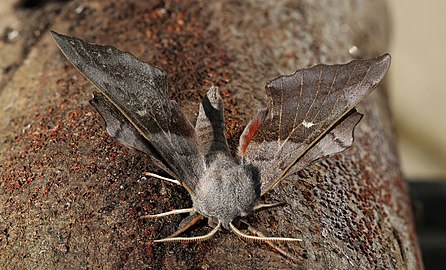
x=310, y=115
x=138, y=91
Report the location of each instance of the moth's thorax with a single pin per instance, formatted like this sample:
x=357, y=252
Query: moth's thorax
x=226, y=190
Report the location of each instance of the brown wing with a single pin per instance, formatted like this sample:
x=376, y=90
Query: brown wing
x=137, y=91
x=310, y=115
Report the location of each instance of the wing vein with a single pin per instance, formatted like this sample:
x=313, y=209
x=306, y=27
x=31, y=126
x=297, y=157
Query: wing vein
x=326, y=96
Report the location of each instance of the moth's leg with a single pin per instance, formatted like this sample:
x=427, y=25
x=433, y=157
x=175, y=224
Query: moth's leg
x=163, y=178
x=173, y=212
x=271, y=244
x=262, y=206
x=189, y=239
x=191, y=220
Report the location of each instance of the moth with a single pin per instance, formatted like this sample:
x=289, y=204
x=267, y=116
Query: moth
x=311, y=114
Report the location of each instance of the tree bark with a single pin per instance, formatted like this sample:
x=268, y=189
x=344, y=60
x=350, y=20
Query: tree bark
x=71, y=197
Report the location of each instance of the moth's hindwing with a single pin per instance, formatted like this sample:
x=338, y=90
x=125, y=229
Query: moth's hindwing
x=137, y=91
x=309, y=116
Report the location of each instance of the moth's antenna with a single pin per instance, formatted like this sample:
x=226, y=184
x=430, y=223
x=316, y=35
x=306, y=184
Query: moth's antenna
x=163, y=178
x=173, y=212
x=271, y=244
x=261, y=206
x=191, y=239
x=257, y=238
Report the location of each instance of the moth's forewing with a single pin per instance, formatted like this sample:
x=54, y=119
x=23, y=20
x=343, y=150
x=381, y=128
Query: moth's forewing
x=138, y=91
x=121, y=129
x=304, y=107
x=339, y=138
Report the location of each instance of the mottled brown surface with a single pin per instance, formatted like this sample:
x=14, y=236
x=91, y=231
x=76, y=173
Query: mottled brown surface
x=71, y=197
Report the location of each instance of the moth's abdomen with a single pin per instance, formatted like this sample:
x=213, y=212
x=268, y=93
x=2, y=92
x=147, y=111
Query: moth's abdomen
x=210, y=127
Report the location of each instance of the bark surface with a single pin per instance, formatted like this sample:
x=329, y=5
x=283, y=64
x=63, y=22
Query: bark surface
x=71, y=197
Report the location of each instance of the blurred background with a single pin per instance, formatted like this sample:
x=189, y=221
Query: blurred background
x=418, y=86
x=418, y=96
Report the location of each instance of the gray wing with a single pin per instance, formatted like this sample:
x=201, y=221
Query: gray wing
x=121, y=129
x=136, y=103
x=310, y=115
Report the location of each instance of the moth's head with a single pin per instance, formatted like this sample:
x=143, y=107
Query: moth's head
x=226, y=191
